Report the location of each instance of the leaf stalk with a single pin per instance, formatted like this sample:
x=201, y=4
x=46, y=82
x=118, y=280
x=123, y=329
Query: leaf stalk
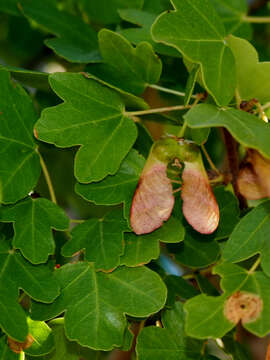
x=47, y=178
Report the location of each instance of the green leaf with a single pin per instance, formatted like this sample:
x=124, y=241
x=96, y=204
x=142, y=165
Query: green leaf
x=156, y=6
x=206, y=315
x=170, y=342
x=102, y=239
x=141, y=249
x=130, y=100
x=19, y=166
x=205, y=285
x=42, y=336
x=144, y=140
x=246, y=128
x=5, y=352
x=91, y=114
x=229, y=212
x=65, y=349
x=195, y=30
x=179, y=288
x=10, y=7
x=196, y=251
x=232, y=14
x=253, y=77
x=116, y=189
x=249, y=237
x=37, y=281
x=35, y=79
x=78, y=44
x=144, y=21
x=33, y=222
x=95, y=311
x=128, y=68
x=106, y=12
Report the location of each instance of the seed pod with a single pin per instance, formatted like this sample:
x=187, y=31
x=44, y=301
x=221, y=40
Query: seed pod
x=254, y=177
x=248, y=184
x=199, y=203
x=153, y=200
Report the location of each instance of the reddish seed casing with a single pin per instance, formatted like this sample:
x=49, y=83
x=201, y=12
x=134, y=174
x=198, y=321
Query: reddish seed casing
x=153, y=200
x=254, y=177
x=199, y=203
x=248, y=184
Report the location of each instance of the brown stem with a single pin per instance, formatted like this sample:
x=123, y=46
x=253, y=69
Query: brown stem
x=233, y=164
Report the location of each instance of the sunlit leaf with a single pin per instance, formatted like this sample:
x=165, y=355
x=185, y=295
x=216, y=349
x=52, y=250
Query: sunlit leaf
x=95, y=312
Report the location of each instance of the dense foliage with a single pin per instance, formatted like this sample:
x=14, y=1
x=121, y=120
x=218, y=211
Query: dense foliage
x=134, y=178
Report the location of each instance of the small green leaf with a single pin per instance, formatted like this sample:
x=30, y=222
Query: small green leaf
x=102, y=239
x=128, y=68
x=232, y=14
x=131, y=101
x=116, y=189
x=179, y=288
x=229, y=212
x=170, y=342
x=144, y=21
x=196, y=251
x=78, y=44
x=207, y=316
x=144, y=140
x=33, y=222
x=142, y=249
x=249, y=237
x=95, y=311
x=43, y=339
x=246, y=128
x=91, y=114
x=35, y=79
x=106, y=12
x=65, y=349
x=205, y=285
x=195, y=30
x=257, y=83
x=19, y=166
x=37, y=281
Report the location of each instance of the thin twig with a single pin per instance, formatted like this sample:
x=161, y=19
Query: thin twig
x=182, y=130
x=156, y=111
x=254, y=266
x=47, y=178
x=266, y=106
x=170, y=91
x=213, y=166
x=77, y=221
x=257, y=19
